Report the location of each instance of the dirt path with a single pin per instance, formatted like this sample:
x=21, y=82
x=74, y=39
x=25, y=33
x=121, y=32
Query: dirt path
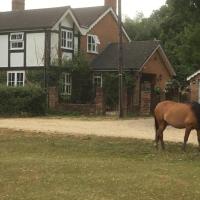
x=135, y=128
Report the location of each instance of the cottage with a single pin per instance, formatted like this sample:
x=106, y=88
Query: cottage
x=149, y=66
x=33, y=41
x=194, y=81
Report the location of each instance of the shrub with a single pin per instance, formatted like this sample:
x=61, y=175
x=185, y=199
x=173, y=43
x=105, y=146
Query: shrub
x=22, y=100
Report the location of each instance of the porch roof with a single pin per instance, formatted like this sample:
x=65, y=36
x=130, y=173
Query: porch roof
x=193, y=75
x=136, y=54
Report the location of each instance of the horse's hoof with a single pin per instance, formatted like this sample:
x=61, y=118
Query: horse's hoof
x=184, y=149
x=156, y=146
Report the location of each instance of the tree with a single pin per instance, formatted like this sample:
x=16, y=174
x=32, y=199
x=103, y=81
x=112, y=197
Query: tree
x=177, y=26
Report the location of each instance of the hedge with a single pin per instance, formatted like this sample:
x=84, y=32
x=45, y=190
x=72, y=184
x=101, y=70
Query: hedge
x=29, y=100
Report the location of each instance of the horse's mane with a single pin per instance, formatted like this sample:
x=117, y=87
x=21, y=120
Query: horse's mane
x=196, y=110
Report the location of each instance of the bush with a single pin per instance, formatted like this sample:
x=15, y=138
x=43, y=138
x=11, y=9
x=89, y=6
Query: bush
x=22, y=101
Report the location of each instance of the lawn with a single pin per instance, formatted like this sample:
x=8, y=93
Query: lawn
x=46, y=167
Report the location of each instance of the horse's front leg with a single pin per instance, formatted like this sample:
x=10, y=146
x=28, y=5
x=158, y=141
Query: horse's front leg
x=187, y=133
x=198, y=137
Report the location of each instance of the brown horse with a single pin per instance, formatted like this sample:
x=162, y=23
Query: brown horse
x=178, y=115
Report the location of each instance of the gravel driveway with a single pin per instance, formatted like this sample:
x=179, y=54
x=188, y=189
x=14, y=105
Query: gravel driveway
x=135, y=128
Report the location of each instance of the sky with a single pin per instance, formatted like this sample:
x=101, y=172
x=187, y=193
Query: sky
x=130, y=8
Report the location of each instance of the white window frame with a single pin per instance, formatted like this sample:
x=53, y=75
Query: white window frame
x=66, y=84
x=65, y=41
x=98, y=77
x=94, y=45
x=15, y=78
x=17, y=40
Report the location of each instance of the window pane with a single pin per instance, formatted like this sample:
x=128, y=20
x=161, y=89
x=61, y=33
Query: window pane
x=66, y=84
x=11, y=79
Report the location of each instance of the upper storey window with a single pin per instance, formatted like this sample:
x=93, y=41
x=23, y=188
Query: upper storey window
x=67, y=39
x=92, y=43
x=17, y=41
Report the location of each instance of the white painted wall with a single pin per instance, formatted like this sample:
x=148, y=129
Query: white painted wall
x=3, y=50
x=67, y=21
x=66, y=56
x=54, y=47
x=35, y=49
x=17, y=59
x=76, y=44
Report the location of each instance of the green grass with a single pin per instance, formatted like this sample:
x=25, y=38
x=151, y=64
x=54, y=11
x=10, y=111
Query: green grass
x=49, y=167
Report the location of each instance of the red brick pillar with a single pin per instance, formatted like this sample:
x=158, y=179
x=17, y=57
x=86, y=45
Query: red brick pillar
x=145, y=106
x=53, y=97
x=136, y=94
x=99, y=101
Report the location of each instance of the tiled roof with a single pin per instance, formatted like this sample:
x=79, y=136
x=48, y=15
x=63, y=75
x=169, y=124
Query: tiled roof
x=86, y=16
x=135, y=55
x=47, y=17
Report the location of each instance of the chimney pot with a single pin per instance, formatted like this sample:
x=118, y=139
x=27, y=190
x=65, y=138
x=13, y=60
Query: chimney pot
x=112, y=3
x=18, y=5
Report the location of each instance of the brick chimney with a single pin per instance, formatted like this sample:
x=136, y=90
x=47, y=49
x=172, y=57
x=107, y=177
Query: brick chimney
x=18, y=5
x=112, y=3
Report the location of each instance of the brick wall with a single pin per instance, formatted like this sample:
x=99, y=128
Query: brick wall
x=194, y=88
x=96, y=108
x=156, y=66
x=53, y=97
x=106, y=30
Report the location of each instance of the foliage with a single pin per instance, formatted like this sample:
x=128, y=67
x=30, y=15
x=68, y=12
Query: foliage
x=3, y=77
x=78, y=67
x=35, y=77
x=177, y=26
x=111, y=87
x=22, y=100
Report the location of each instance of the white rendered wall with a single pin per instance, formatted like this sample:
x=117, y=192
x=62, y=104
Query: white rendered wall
x=66, y=56
x=54, y=47
x=3, y=50
x=35, y=49
x=17, y=59
x=67, y=22
x=76, y=44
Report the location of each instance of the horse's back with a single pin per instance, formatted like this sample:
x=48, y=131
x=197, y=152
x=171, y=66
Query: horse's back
x=176, y=114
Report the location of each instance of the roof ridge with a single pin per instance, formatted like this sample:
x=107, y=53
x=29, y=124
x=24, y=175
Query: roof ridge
x=90, y=7
x=34, y=9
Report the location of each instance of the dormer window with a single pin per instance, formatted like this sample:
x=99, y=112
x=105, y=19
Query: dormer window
x=17, y=41
x=92, y=43
x=67, y=39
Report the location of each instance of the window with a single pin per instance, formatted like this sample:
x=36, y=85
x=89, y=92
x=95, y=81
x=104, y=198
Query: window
x=97, y=80
x=15, y=78
x=92, y=43
x=66, y=84
x=67, y=39
x=16, y=41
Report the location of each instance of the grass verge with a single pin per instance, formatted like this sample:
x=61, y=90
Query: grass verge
x=46, y=167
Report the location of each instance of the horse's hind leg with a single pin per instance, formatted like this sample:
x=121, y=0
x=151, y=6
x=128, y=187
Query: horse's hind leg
x=187, y=134
x=163, y=127
x=198, y=137
x=159, y=134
